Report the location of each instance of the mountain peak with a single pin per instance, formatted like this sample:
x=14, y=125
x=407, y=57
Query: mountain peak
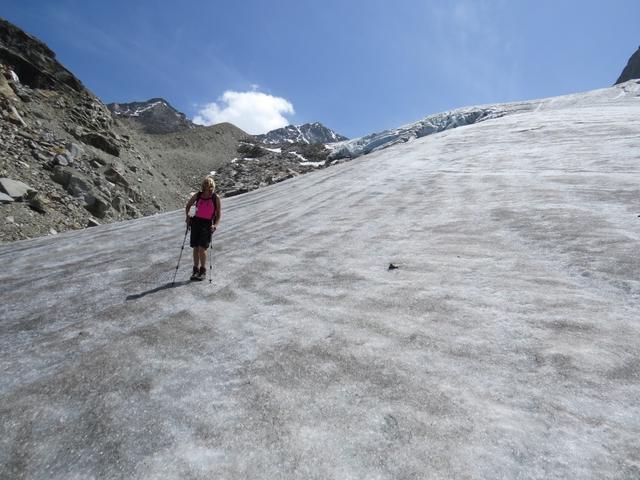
x=632, y=70
x=306, y=133
x=155, y=115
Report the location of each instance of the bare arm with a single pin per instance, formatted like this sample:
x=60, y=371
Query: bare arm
x=218, y=213
x=191, y=201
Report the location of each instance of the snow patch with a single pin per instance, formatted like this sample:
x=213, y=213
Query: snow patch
x=305, y=162
x=138, y=111
x=300, y=157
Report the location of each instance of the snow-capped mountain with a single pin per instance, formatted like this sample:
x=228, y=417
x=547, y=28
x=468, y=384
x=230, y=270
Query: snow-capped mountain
x=632, y=70
x=462, y=117
x=153, y=116
x=307, y=133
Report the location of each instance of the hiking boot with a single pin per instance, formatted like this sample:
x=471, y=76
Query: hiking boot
x=194, y=275
x=202, y=274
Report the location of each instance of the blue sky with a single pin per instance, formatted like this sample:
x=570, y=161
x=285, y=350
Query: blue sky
x=356, y=66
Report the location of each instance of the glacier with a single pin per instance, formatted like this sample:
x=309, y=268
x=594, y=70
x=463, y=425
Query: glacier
x=467, y=116
x=505, y=344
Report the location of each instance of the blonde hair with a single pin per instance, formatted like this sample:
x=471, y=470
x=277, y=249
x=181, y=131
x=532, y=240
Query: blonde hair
x=208, y=182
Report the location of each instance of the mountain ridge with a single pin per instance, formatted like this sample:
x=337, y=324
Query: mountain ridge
x=309, y=133
x=153, y=116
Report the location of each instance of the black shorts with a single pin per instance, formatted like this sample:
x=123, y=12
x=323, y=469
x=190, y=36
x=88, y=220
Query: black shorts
x=200, y=232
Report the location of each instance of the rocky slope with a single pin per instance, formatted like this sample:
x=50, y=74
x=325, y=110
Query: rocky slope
x=309, y=133
x=632, y=70
x=258, y=165
x=78, y=166
x=153, y=116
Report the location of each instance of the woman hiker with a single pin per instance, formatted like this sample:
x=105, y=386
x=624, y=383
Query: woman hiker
x=203, y=224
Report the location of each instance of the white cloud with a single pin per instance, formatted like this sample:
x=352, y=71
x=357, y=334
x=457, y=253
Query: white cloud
x=254, y=112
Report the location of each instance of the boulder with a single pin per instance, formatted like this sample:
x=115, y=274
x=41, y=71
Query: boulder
x=15, y=117
x=132, y=211
x=6, y=90
x=37, y=201
x=4, y=198
x=24, y=95
x=61, y=175
x=133, y=195
x=73, y=152
x=118, y=204
x=14, y=188
x=81, y=187
x=40, y=156
x=61, y=160
x=99, y=160
x=73, y=181
x=78, y=131
x=114, y=175
x=101, y=142
x=78, y=186
x=97, y=205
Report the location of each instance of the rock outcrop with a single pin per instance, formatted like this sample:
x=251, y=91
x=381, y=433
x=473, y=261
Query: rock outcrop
x=632, y=70
x=59, y=139
x=33, y=62
x=258, y=165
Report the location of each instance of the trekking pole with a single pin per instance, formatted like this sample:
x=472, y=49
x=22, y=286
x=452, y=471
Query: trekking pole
x=210, y=255
x=181, y=250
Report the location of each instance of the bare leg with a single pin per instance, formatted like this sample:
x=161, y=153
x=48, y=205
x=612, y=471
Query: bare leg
x=202, y=254
x=195, y=256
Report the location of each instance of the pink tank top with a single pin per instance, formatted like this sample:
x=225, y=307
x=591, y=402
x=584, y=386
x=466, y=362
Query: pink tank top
x=205, y=208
